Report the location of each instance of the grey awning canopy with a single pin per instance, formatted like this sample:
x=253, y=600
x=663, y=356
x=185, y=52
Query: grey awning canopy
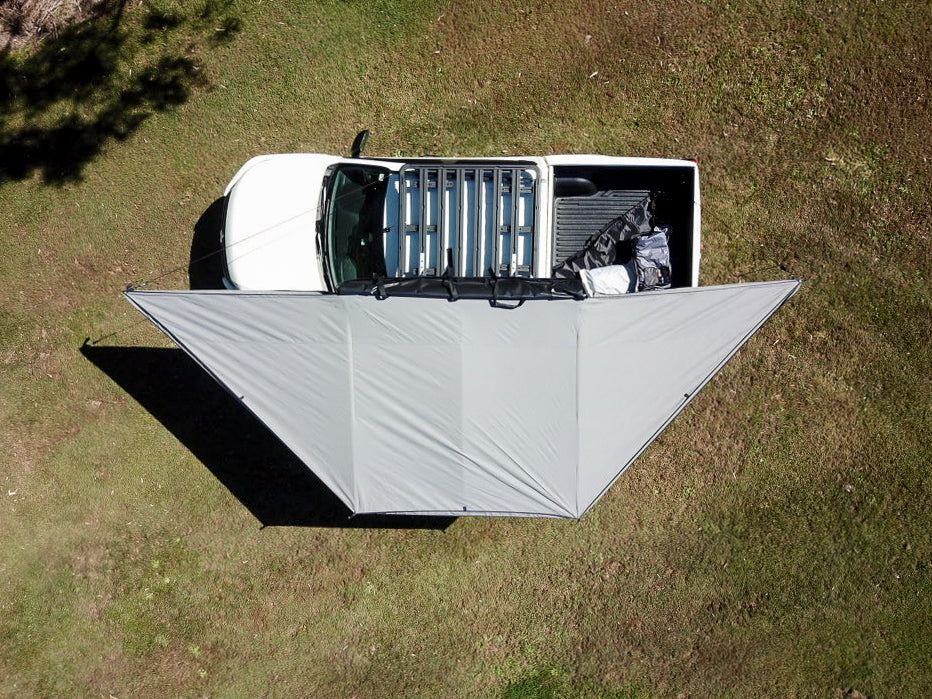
x=422, y=406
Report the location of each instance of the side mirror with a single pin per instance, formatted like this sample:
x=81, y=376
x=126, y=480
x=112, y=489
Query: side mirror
x=359, y=143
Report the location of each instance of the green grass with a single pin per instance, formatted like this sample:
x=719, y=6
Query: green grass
x=774, y=540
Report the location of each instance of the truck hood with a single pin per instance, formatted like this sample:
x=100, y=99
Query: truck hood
x=269, y=233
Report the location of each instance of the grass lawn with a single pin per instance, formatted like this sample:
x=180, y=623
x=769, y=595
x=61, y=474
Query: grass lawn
x=775, y=540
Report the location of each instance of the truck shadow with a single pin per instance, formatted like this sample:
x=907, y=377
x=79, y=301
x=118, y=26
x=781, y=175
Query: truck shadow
x=205, y=269
x=253, y=464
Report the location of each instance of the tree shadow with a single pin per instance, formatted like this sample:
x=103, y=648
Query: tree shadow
x=62, y=103
x=253, y=464
x=205, y=270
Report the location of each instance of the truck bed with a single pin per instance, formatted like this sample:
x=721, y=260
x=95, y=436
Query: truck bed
x=587, y=197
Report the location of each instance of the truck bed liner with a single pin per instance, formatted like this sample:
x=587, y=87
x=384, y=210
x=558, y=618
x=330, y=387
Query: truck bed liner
x=577, y=218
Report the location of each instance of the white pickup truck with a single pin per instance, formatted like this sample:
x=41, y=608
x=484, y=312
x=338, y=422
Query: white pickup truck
x=312, y=222
x=414, y=407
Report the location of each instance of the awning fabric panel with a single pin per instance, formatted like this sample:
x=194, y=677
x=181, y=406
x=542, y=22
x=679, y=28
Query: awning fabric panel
x=519, y=404
x=455, y=408
x=407, y=403
x=644, y=356
x=293, y=372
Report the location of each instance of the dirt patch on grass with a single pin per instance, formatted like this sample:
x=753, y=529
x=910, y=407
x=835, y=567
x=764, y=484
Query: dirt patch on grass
x=28, y=22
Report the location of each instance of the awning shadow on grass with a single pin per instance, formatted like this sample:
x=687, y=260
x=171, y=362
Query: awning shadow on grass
x=253, y=464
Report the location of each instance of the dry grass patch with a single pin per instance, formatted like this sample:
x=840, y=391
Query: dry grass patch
x=27, y=22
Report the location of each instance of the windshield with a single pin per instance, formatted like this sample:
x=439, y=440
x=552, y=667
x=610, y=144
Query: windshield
x=355, y=223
